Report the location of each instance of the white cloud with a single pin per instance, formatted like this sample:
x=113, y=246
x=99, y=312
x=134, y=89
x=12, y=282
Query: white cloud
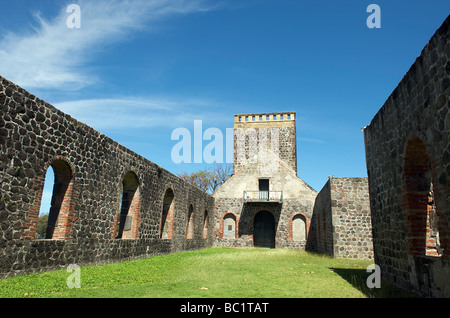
x=149, y=112
x=53, y=56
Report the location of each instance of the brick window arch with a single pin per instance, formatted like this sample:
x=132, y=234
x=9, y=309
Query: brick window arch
x=421, y=220
x=190, y=222
x=205, y=224
x=127, y=220
x=229, y=226
x=299, y=227
x=61, y=216
x=167, y=215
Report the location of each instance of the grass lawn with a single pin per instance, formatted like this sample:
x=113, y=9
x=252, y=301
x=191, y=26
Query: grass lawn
x=214, y=272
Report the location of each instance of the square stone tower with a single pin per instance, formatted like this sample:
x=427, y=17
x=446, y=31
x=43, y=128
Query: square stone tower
x=265, y=138
x=264, y=203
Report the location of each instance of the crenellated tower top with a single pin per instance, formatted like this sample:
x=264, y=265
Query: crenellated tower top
x=264, y=117
x=274, y=131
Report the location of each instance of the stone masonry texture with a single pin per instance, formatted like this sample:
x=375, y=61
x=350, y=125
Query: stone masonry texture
x=342, y=219
x=275, y=133
x=90, y=169
x=280, y=125
x=303, y=219
x=109, y=204
x=407, y=147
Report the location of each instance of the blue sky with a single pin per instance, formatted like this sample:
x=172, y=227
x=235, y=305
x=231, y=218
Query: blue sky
x=135, y=70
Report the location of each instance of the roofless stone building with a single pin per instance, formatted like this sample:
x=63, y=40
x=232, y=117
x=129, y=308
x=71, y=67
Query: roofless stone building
x=109, y=204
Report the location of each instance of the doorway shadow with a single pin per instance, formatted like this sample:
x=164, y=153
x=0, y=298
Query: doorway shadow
x=358, y=279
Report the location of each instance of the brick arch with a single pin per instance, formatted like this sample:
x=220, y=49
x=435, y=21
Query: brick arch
x=190, y=222
x=62, y=158
x=167, y=214
x=127, y=219
x=418, y=201
x=205, y=224
x=129, y=171
x=291, y=225
x=222, y=224
x=62, y=213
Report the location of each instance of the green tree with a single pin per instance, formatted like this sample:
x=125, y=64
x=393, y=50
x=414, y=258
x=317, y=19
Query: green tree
x=42, y=225
x=209, y=179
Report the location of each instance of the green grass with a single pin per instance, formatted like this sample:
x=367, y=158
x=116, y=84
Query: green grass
x=213, y=272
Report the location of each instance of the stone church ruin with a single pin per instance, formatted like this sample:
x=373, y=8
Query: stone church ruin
x=110, y=204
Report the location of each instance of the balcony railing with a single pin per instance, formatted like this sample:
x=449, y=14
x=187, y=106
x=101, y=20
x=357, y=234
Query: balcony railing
x=263, y=196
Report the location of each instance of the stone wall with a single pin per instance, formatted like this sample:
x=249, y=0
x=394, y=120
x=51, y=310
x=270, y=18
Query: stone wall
x=295, y=209
x=90, y=206
x=321, y=231
x=342, y=219
x=277, y=131
x=408, y=164
x=245, y=214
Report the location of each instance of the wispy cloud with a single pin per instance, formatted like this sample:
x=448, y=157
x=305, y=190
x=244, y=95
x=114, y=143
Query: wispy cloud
x=53, y=56
x=140, y=113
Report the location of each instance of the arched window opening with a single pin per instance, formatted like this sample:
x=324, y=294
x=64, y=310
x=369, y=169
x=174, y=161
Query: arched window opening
x=229, y=226
x=190, y=223
x=421, y=219
x=299, y=228
x=167, y=215
x=45, y=204
x=129, y=211
x=205, y=224
x=55, y=210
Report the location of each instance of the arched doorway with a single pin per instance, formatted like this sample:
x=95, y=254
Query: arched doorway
x=264, y=230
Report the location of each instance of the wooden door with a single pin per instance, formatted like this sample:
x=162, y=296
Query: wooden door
x=264, y=230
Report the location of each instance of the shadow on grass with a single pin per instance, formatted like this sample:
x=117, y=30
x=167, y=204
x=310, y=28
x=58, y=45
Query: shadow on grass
x=358, y=278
